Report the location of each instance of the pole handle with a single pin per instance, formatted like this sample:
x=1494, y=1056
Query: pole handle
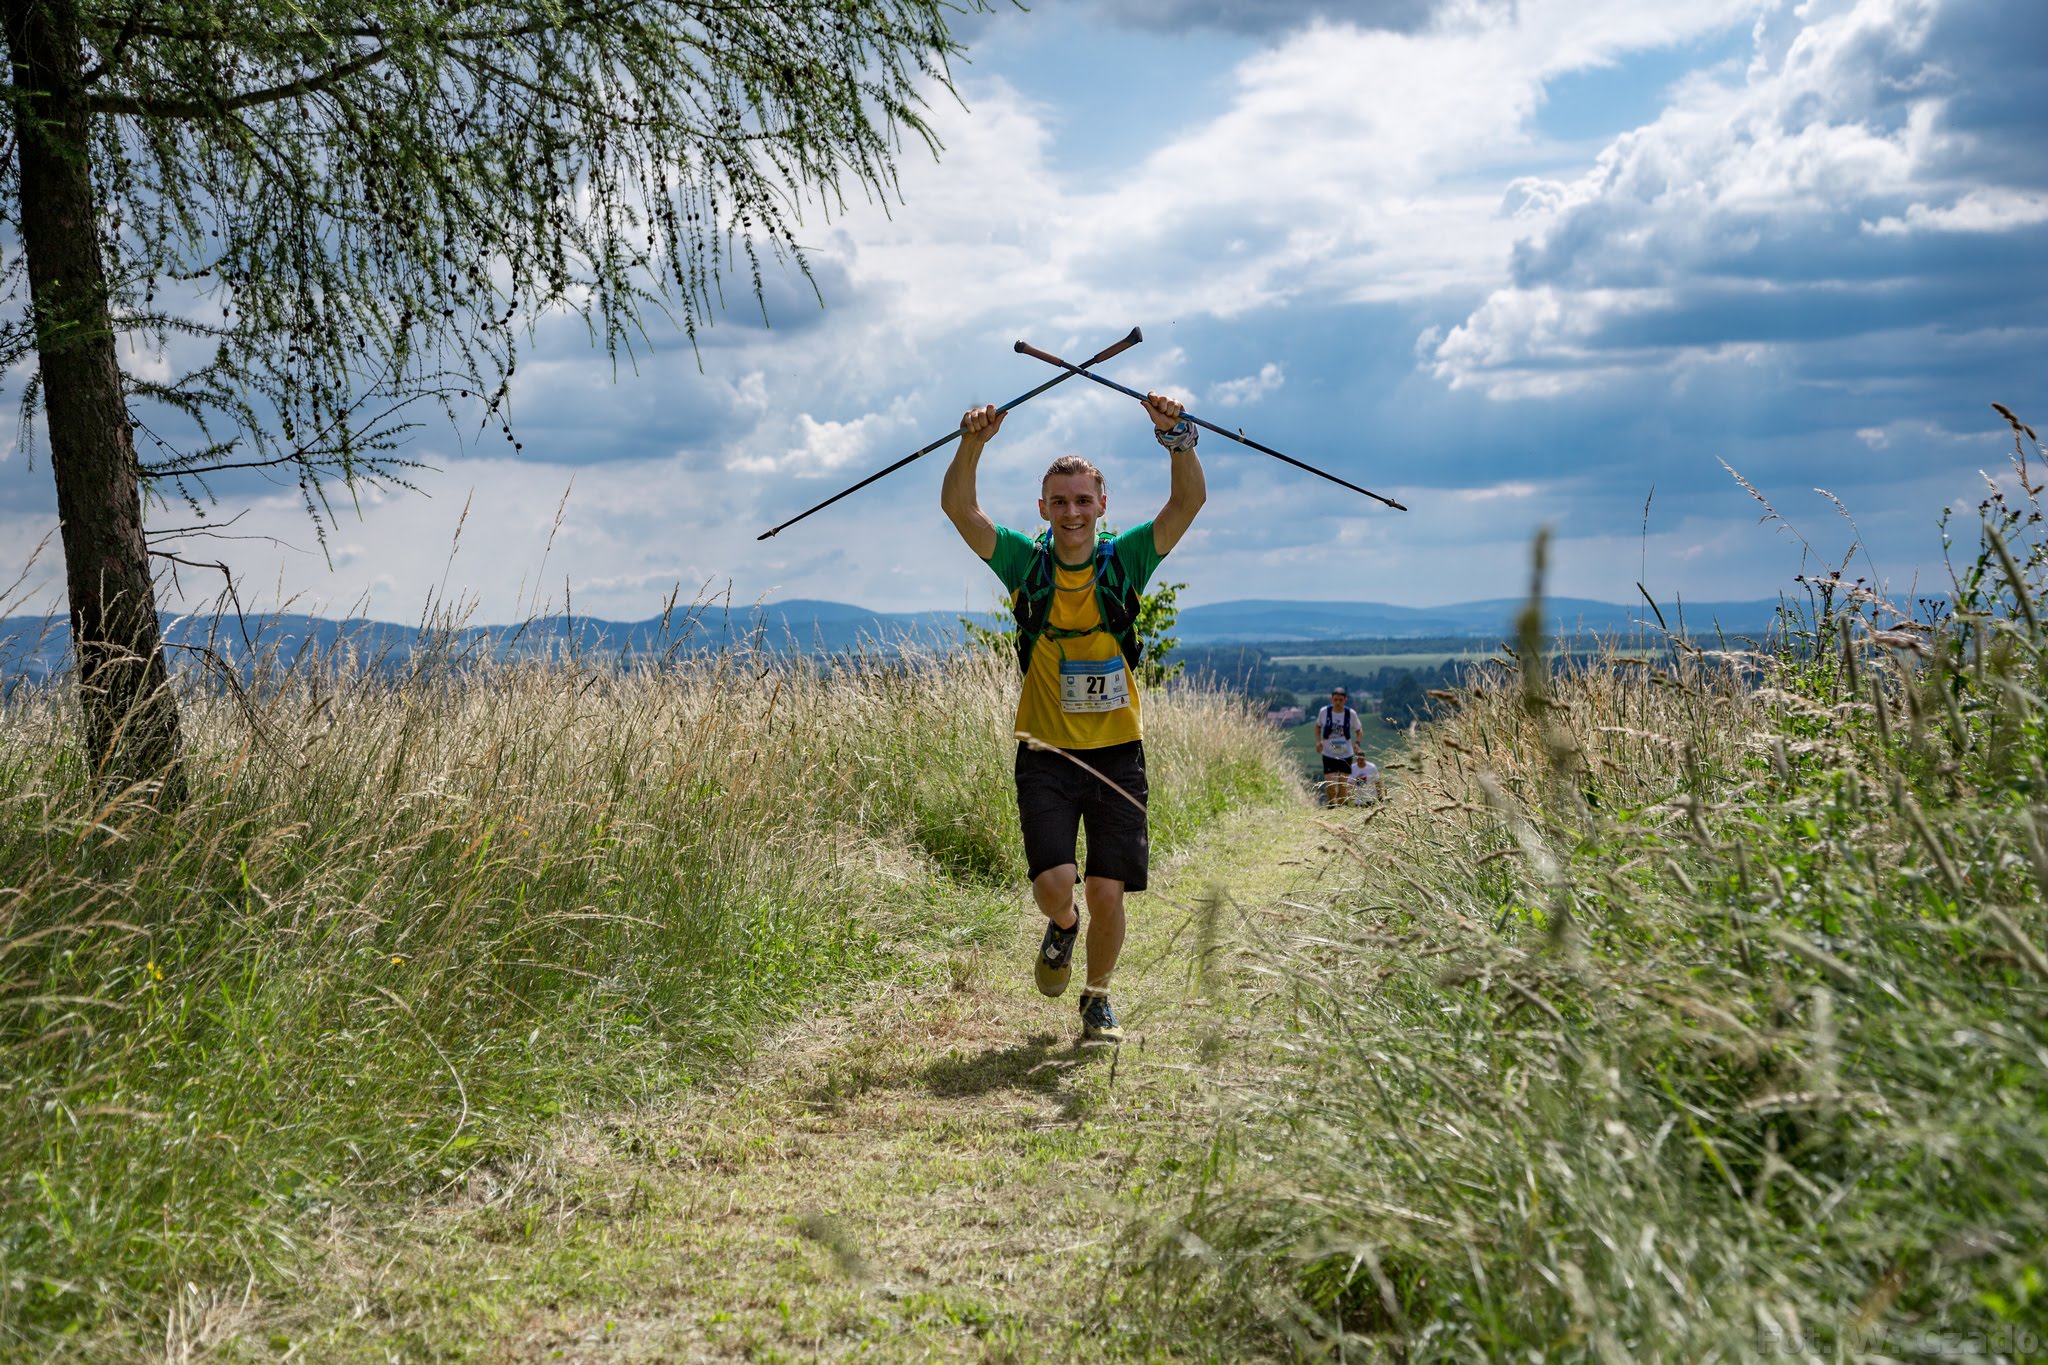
x=1130, y=339
x=1114, y=349
x=1026, y=348
x=1135, y=336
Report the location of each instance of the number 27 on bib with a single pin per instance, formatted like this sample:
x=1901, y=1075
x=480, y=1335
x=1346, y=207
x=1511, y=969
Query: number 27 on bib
x=1094, y=685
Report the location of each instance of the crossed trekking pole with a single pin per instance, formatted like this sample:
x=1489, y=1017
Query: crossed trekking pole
x=1085, y=370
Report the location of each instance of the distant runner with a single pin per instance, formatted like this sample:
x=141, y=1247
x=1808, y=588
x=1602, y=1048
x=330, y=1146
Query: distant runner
x=1365, y=781
x=1337, y=741
x=1075, y=595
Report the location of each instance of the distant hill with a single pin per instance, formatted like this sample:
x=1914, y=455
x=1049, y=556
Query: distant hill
x=1262, y=620
x=34, y=646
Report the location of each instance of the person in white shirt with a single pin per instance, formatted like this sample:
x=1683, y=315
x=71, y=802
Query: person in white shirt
x=1337, y=741
x=1365, y=781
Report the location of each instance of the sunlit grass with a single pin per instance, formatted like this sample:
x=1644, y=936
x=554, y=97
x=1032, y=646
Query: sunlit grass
x=409, y=915
x=1683, y=1008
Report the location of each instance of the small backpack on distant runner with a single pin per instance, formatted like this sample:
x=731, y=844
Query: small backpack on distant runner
x=1324, y=721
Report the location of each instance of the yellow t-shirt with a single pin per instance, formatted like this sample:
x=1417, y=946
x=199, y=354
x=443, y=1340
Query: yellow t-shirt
x=1078, y=694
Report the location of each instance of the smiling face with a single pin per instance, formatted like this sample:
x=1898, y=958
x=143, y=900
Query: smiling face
x=1073, y=503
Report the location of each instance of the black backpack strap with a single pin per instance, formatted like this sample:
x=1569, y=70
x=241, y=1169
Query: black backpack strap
x=1031, y=604
x=1117, y=600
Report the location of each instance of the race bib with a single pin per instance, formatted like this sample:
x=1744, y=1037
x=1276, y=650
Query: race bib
x=1094, y=685
x=1337, y=746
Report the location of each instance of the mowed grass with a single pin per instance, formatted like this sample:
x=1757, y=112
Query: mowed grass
x=410, y=916
x=939, y=1172
x=1686, y=1010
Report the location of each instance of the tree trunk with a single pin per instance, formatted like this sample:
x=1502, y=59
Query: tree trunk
x=131, y=718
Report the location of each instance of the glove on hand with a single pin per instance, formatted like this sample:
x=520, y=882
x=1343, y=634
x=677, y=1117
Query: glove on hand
x=1178, y=438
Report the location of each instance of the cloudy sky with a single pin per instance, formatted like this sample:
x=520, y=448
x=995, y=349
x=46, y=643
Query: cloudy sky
x=1512, y=262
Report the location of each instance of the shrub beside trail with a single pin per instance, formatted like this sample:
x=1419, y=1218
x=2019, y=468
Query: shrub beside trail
x=410, y=914
x=1687, y=1006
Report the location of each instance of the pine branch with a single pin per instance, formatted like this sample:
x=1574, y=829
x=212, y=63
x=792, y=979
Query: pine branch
x=148, y=108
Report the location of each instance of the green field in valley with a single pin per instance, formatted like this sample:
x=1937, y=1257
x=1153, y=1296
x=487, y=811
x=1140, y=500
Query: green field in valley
x=1351, y=665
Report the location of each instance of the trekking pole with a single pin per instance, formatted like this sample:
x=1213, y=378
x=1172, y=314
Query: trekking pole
x=1135, y=336
x=1027, y=348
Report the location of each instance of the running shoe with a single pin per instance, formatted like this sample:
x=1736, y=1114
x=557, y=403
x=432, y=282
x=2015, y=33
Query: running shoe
x=1098, y=1021
x=1055, y=963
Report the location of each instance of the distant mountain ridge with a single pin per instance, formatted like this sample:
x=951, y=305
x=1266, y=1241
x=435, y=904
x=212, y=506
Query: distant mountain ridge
x=1278, y=619
x=36, y=646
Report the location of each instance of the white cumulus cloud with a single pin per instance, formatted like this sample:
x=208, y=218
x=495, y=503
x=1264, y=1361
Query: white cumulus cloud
x=1752, y=209
x=1233, y=393
x=1996, y=210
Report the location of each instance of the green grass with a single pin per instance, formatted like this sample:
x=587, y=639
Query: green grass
x=401, y=927
x=1678, y=1011
x=938, y=1172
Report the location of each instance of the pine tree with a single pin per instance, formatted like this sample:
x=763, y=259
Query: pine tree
x=373, y=201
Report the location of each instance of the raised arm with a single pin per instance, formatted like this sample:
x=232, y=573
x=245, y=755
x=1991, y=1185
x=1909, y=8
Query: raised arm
x=1187, y=490
x=957, y=496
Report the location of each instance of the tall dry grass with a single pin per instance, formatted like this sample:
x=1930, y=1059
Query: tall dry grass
x=411, y=912
x=1687, y=1006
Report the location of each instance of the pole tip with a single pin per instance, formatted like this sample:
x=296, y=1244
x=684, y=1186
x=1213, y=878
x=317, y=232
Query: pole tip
x=1018, y=347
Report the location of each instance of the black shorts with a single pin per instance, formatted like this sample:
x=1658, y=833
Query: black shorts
x=1336, y=765
x=1055, y=798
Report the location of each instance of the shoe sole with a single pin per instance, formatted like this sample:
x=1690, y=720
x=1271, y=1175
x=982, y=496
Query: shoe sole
x=1106, y=1035
x=1051, y=980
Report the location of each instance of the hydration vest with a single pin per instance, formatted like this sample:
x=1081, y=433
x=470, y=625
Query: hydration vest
x=1116, y=601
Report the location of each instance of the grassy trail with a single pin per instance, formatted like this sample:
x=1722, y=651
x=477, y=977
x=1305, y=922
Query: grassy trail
x=941, y=1174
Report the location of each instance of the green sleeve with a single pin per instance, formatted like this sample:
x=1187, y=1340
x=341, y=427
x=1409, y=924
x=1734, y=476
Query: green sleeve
x=1139, y=554
x=1012, y=558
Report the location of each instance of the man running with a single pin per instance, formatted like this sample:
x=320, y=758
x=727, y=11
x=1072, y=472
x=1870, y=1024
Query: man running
x=1075, y=595
x=1336, y=741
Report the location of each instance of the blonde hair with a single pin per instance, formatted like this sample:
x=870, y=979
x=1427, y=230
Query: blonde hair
x=1072, y=464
